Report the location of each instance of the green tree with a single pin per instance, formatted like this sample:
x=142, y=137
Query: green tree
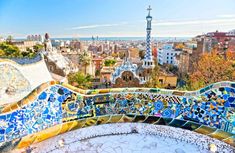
x=9, y=50
x=84, y=60
x=121, y=54
x=80, y=80
x=97, y=72
x=2, y=53
x=9, y=39
x=172, y=68
x=109, y=62
x=38, y=47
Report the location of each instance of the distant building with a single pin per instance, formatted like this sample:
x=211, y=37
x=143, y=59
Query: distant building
x=37, y=38
x=183, y=62
x=98, y=62
x=24, y=45
x=106, y=74
x=231, y=45
x=167, y=80
x=167, y=54
x=76, y=45
x=155, y=52
x=214, y=40
x=134, y=53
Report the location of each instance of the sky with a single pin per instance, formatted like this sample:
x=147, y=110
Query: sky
x=114, y=18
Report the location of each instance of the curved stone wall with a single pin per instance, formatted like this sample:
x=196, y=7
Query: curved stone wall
x=20, y=80
x=55, y=108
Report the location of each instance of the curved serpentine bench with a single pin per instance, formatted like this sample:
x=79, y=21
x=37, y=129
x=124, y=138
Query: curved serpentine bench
x=54, y=108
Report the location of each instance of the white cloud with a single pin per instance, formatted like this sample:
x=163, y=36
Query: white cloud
x=98, y=26
x=195, y=22
x=226, y=16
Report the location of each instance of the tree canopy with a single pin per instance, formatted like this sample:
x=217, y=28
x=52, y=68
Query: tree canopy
x=9, y=50
x=109, y=62
x=38, y=47
x=84, y=60
x=80, y=80
x=211, y=68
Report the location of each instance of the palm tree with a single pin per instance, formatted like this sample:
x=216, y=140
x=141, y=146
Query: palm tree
x=9, y=39
x=84, y=60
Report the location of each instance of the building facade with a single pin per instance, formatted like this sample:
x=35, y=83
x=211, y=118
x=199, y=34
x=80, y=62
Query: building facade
x=167, y=54
x=25, y=45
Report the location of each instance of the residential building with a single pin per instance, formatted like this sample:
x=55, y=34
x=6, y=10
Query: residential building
x=167, y=80
x=166, y=54
x=25, y=45
x=183, y=62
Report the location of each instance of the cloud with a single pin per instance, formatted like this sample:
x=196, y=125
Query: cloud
x=195, y=22
x=226, y=16
x=98, y=26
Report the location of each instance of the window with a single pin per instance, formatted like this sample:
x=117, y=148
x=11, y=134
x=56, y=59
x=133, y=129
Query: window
x=160, y=81
x=167, y=58
x=171, y=57
x=130, y=78
x=167, y=53
x=124, y=78
x=171, y=53
x=51, y=68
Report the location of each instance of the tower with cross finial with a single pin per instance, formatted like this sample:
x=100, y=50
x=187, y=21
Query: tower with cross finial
x=148, y=58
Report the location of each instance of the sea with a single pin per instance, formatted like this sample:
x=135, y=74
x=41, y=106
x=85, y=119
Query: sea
x=127, y=38
x=123, y=38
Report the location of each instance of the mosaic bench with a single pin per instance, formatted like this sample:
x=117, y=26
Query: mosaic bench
x=54, y=108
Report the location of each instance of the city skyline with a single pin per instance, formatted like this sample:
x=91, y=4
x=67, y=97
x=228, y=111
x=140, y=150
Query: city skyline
x=123, y=18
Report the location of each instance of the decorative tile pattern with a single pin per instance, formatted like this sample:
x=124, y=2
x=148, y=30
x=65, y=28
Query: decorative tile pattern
x=12, y=81
x=212, y=106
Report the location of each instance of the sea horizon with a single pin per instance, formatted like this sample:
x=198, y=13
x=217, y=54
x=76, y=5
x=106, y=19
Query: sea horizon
x=120, y=38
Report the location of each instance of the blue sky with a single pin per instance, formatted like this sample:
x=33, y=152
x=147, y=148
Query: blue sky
x=84, y=18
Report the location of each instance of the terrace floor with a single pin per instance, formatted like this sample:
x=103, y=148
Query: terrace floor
x=128, y=138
